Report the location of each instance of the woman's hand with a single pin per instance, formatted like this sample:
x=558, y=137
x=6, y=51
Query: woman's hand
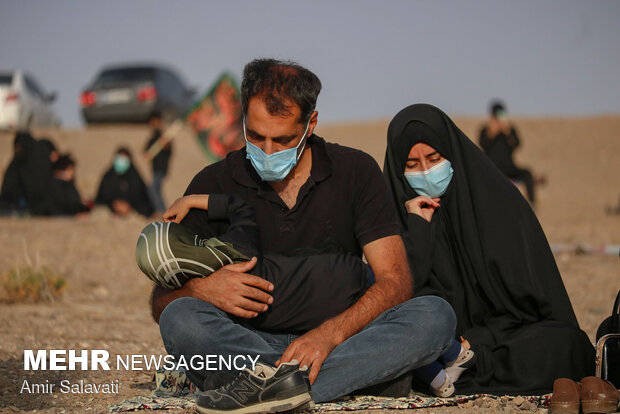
x=422, y=206
x=181, y=206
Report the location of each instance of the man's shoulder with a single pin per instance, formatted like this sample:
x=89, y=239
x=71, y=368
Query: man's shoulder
x=216, y=176
x=224, y=166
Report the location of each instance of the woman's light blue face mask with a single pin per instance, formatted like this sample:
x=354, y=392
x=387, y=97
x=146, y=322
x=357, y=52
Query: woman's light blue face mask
x=432, y=182
x=121, y=164
x=276, y=166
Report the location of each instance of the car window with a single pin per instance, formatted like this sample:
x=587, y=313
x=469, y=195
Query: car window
x=176, y=83
x=163, y=82
x=33, y=87
x=6, y=79
x=125, y=75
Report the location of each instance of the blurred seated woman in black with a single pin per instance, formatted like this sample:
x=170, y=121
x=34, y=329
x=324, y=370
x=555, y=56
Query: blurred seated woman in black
x=472, y=239
x=26, y=178
x=62, y=198
x=122, y=189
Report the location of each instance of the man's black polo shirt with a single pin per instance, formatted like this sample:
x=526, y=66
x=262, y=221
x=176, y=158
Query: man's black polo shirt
x=345, y=200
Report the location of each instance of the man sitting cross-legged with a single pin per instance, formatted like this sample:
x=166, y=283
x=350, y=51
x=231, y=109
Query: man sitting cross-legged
x=306, y=193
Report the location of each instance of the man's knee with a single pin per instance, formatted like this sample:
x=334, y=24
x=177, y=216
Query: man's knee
x=433, y=316
x=180, y=321
x=444, y=316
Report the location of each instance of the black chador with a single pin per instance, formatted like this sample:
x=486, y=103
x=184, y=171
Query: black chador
x=486, y=254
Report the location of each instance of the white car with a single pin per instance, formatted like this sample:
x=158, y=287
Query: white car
x=23, y=103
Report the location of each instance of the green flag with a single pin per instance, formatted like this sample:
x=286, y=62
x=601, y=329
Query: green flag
x=216, y=119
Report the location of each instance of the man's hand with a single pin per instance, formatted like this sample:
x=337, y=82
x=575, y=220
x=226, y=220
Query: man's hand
x=393, y=286
x=233, y=291
x=422, y=206
x=311, y=350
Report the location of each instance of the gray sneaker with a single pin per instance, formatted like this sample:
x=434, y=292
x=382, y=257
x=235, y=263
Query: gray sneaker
x=264, y=390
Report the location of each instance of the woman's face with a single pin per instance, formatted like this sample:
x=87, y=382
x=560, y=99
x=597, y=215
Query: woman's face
x=422, y=157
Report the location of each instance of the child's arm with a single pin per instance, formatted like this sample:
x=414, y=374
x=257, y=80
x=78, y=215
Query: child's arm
x=179, y=209
x=242, y=231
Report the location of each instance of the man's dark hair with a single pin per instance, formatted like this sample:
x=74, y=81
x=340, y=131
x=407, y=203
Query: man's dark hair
x=280, y=84
x=496, y=106
x=64, y=161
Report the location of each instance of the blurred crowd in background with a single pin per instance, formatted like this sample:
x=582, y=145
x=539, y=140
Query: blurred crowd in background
x=40, y=180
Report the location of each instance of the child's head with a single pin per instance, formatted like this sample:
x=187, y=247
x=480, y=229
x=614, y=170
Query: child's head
x=64, y=168
x=170, y=254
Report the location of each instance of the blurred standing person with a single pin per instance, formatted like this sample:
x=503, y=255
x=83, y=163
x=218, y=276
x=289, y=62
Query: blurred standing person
x=122, y=189
x=159, y=162
x=499, y=139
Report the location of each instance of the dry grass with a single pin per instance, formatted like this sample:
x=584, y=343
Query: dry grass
x=32, y=283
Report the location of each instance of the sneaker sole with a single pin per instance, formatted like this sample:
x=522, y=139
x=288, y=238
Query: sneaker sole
x=266, y=407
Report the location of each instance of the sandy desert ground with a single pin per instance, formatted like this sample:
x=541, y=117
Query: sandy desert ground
x=105, y=303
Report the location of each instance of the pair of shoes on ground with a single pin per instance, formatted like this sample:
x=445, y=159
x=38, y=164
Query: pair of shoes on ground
x=595, y=395
x=264, y=390
x=465, y=359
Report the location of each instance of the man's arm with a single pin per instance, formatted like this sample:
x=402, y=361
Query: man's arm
x=229, y=289
x=393, y=285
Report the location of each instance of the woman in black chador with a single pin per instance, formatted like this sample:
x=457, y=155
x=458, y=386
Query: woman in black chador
x=122, y=189
x=27, y=176
x=472, y=239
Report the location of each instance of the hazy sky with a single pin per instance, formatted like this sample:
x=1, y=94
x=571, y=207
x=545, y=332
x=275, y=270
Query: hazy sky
x=374, y=57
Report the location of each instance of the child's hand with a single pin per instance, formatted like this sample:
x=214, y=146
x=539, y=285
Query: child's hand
x=177, y=211
x=181, y=206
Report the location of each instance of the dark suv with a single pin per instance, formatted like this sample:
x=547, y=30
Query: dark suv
x=134, y=93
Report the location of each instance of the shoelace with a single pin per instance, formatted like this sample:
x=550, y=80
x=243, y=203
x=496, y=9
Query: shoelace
x=225, y=388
